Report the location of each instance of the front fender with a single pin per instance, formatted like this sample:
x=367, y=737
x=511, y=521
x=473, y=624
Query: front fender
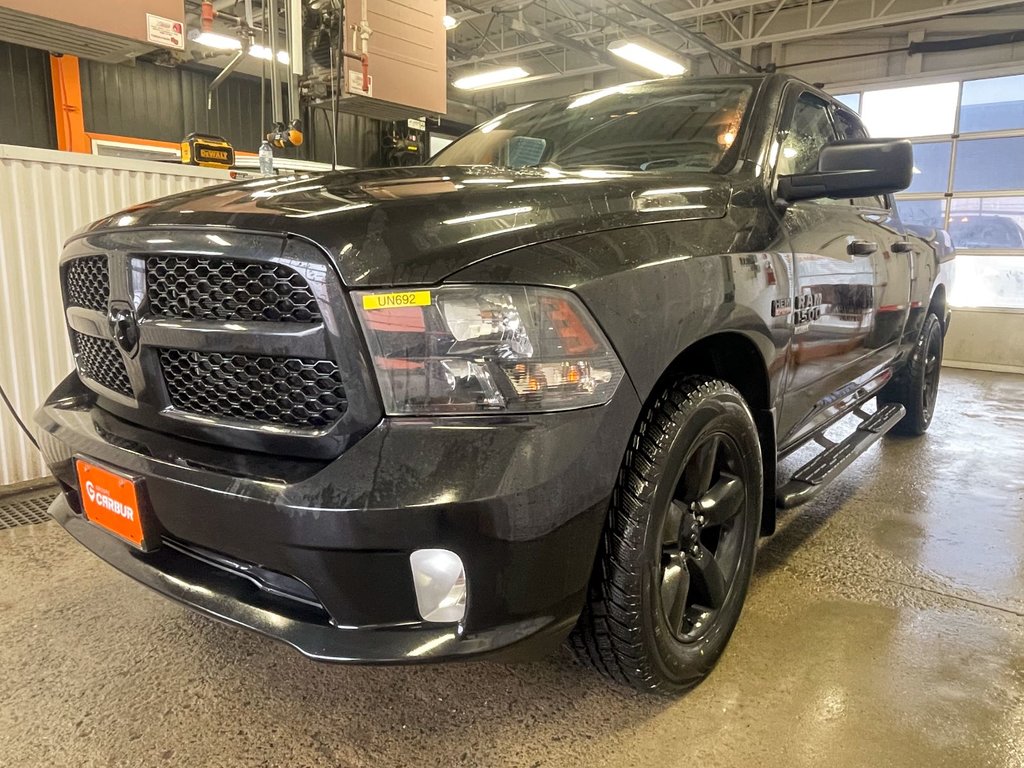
x=658, y=289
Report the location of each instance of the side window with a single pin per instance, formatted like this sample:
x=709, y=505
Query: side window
x=849, y=126
x=809, y=129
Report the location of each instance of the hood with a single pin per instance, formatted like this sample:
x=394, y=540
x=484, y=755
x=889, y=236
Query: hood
x=416, y=226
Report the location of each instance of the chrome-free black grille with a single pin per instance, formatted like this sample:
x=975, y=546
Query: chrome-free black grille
x=100, y=361
x=200, y=288
x=87, y=283
x=296, y=392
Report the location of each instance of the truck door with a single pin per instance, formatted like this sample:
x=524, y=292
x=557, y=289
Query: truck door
x=834, y=306
x=893, y=261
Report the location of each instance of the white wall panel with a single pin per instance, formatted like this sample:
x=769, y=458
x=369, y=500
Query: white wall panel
x=986, y=339
x=44, y=197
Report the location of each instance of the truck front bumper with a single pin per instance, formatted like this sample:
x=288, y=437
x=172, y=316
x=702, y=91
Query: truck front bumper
x=316, y=554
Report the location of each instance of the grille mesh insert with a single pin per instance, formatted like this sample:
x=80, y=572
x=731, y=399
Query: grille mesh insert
x=87, y=282
x=100, y=361
x=292, y=391
x=223, y=289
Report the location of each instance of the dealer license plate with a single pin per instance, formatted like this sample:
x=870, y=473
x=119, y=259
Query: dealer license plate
x=111, y=501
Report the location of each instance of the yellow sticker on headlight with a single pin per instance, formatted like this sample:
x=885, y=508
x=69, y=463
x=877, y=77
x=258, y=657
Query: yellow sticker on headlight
x=399, y=299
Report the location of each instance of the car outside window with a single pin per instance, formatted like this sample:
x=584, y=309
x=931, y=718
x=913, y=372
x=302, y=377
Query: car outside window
x=640, y=127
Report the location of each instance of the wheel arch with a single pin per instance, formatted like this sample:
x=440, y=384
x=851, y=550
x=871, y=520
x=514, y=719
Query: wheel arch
x=939, y=306
x=735, y=358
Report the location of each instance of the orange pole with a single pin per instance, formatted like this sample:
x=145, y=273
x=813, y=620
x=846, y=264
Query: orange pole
x=67, y=104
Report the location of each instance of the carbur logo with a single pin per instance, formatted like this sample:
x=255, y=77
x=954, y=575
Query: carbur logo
x=101, y=499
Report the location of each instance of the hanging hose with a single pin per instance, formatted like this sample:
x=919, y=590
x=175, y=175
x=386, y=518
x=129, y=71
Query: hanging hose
x=17, y=418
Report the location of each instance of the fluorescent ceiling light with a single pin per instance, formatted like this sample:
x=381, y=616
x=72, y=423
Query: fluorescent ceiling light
x=262, y=52
x=491, y=79
x=215, y=40
x=646, y=58
x=228, y=43
x=450, y=22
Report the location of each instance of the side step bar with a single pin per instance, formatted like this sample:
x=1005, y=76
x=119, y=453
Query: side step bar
x=813, y=476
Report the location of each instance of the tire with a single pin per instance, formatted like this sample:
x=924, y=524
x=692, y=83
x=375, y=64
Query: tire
x=917, y=386
x=657, y=615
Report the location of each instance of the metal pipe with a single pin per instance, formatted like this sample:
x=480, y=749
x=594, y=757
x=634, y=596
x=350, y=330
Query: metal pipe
x=275, y=74
x=223, y=75
x=292, y=17
x=295, y=37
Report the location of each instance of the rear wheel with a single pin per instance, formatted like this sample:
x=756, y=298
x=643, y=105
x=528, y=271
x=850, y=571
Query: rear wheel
x=917, y=386
x=679, y=545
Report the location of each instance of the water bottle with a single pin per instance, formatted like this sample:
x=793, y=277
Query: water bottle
x=266, y=158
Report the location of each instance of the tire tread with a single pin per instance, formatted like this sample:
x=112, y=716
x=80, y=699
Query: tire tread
x=905, y=388
x=607, y=636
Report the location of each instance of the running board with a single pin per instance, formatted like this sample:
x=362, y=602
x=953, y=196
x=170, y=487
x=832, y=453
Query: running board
x=813, y=476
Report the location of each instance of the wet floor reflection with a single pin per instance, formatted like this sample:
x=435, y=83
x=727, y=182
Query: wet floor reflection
x=885, y=627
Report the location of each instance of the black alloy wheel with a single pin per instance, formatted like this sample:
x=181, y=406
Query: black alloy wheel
x=700, y=542
x=679, y=543
x=916, y=386
x=932, y=369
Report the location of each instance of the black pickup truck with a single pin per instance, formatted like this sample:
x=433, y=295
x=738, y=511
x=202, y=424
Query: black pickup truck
x=537, y=389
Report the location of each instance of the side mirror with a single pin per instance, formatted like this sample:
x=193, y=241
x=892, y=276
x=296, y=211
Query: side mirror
x=856, y=168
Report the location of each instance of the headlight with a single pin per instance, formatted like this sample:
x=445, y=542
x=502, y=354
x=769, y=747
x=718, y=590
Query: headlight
x=483, y=349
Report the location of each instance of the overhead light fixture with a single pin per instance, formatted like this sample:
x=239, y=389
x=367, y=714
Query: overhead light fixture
x=229, y=43
x=647, y=58
x=491, y=79
x=215, y=40
x=450, y=22
x=262, y=52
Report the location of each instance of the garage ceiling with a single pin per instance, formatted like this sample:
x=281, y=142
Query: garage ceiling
x=555, y=39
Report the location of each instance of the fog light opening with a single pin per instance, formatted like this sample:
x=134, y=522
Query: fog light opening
x=440, y=581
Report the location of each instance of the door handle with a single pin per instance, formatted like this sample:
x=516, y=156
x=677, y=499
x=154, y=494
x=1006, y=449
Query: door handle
x=902, y=247
x=861, y=248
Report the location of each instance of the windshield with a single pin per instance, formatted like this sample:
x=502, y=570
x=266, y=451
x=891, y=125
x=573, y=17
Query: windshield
x=641, y=127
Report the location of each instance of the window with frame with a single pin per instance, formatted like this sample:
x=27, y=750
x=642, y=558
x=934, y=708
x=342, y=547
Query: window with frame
x=809, y=130
x=968, y=175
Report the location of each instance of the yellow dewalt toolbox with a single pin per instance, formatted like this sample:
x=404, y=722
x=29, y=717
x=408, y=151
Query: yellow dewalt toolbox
x=206, y=150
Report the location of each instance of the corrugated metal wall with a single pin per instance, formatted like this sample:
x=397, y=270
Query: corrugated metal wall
x=26, y=97
x=163, y=103
x=44, y=196
x=358, y=138
x=152, y=102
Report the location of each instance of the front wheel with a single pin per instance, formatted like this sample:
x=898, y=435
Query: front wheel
x=679, y=544
x=917, y=387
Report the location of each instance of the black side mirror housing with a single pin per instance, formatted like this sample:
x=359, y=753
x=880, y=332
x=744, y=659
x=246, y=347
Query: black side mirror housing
x=854, y=168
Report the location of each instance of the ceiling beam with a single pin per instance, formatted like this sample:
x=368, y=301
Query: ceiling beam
x=539, y=33
x=696, y=38
x=578, y=72
x=856, y=23
x=514, y=51
x=854, y=16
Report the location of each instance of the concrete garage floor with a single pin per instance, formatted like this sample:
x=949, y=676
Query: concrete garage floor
x=885, y=627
